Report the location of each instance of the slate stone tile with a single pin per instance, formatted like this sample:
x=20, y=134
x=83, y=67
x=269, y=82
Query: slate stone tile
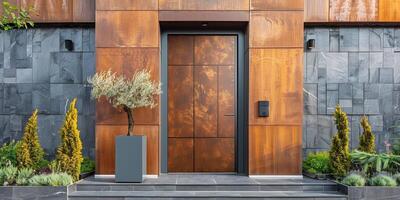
x=66, y=68
x=321, y=39
x=345, y=91
x=334, y=40
x=337, y=72
x=10, y=127
x=356, y=130
x=332, y=86
x=49, y=39
x=24, y=75
x=358, y=106
x=374, y=75
x=388, y=37
x=326, y=130
x=397, y=39
x=40, y=192
x=10, y=73
x=310, y=98
x=386, y=98
x=322, y=99
x=1, y=59
x=40, y=98
x=71, y=34
x=349, y=39
x=62, y=94
x=18, y=98
x=364, y=39
x=396, y=67
x=386, y=75
x=371, y=91
x=371, y=106
x=86, y=125
x=347, y=105
x=376, y=60
x=49, y=126
x=332, y=101
x=363, y=72
x=311, y=67
x=41, y=67
x=88, y=66
x=311, y=122
x=396, y=87
x=396, y=102
x=354, y=67
x=376, y=39
x=376, y=122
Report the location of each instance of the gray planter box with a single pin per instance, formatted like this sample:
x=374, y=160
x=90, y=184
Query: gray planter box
x=130, y=159
x=33, y=192
x=370, y=192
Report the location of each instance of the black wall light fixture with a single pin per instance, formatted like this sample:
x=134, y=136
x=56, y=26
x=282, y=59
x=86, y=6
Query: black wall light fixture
x=69, y=45
x=311, y=44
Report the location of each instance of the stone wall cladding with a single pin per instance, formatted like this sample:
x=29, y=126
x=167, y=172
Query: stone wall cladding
x=358, y=68
x=37, y=71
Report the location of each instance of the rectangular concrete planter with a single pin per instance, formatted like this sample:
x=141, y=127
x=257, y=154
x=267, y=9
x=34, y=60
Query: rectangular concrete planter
x=130, y=159
x=33, y=192
x=370, y=192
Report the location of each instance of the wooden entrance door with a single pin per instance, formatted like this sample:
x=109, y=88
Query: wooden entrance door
x=201, y=103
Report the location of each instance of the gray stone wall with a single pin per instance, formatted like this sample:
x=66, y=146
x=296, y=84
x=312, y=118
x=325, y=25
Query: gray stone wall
x=36, y=71
x=358, y=68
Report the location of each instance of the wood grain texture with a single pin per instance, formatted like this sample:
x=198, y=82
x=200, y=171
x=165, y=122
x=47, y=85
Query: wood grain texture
x=204, y=4
x=105, y=147
x=277, y=5
x=214, y=50
x=127, y=29
x=180, y=50
x=126, y=4
x=205, y=101
x=353, y=10
x=275, y=150
x=276, y=75
x=84, y=10
x=389, y=10
x=126, y=61
x=276, y=29
x=180, y=101
x=316, y=10
x=180, y=155
x=214, y=154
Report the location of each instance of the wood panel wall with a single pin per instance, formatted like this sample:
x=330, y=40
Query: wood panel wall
x=275, y=70
x=352, y=11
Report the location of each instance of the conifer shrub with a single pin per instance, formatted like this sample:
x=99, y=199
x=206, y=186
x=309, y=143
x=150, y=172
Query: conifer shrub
x=339, y=155
x=69, y=152
x=367, y=138
x=29, y=151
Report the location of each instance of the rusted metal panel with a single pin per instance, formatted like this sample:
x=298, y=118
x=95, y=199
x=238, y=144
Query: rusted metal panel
x=84, y=10
x=180, y=155
x=203, y=16
x=204, y=5
x=127, y=5
x=214, y=154
x=353, y=10
x=214, y=50
x=277, y=5
x=180, y=50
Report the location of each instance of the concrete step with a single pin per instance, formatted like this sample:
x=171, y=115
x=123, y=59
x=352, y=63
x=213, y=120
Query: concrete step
x=282, y=195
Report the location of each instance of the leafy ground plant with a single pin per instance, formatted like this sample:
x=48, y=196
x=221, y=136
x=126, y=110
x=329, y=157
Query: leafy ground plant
x=10, y=175
x=354, y=180
x=376, y=163
x=397, y=178
x=8, y=155
x=87, y=165
x=24, y=175
x=53, y=179
x=317, y=163
x=383, y=180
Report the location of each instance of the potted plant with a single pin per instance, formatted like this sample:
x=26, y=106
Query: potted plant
x=127, y=94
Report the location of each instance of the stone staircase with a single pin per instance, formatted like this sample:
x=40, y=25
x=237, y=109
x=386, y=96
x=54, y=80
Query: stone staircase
x=208, y=187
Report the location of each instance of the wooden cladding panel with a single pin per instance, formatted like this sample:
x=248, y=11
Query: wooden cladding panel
x=389, y=10
x=353, y=10
x=127, y=29
x=275, y=150
x=277, y=4
x=276, y=29
x=127, y=5
x=105, y=147
x=276, y=75
x=214, y=154
x=180, y=110
x=316, y=10
x=204, y=4
x=126, y=61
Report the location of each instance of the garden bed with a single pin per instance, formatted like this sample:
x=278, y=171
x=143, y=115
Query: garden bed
x=369, y=192
x=33, y=192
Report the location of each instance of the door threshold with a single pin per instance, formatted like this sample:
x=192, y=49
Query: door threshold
x=202, y=173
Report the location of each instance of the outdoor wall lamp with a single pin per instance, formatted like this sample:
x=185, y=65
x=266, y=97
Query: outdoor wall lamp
x=311, y=44
x=69, y=45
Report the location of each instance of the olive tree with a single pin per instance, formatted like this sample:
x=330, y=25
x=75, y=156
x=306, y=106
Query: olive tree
x=124, y=93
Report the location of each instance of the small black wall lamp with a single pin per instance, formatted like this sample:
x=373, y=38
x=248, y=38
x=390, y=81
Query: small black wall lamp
x=311, y=44
x=69, y=45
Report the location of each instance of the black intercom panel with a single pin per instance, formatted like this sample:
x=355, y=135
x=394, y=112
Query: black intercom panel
x=263, y=108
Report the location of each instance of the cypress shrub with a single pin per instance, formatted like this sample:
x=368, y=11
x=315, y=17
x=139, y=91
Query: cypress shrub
x=367, y=138
x=29, y=151
x=339, y=154
x=69, y=153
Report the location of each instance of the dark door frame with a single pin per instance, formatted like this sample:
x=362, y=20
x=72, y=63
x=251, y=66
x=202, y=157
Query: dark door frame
x=241, y=95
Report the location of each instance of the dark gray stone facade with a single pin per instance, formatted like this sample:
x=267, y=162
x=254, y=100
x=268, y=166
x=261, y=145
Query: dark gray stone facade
x=358, y=68
x=37, y=71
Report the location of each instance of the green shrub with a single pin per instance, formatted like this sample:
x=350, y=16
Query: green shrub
x=383, y=180
x=24, y=175
x=10, y=174
x=376, y=163
x=367, y=138
x=87, y=165
x=354, y=180
x=317, y=163
x=53, y=179
x=69, y=152
x=397, y=178
x=14, y=17
x=2, y=176
x=29, y=152
x=8, y=154
x=339, y=156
